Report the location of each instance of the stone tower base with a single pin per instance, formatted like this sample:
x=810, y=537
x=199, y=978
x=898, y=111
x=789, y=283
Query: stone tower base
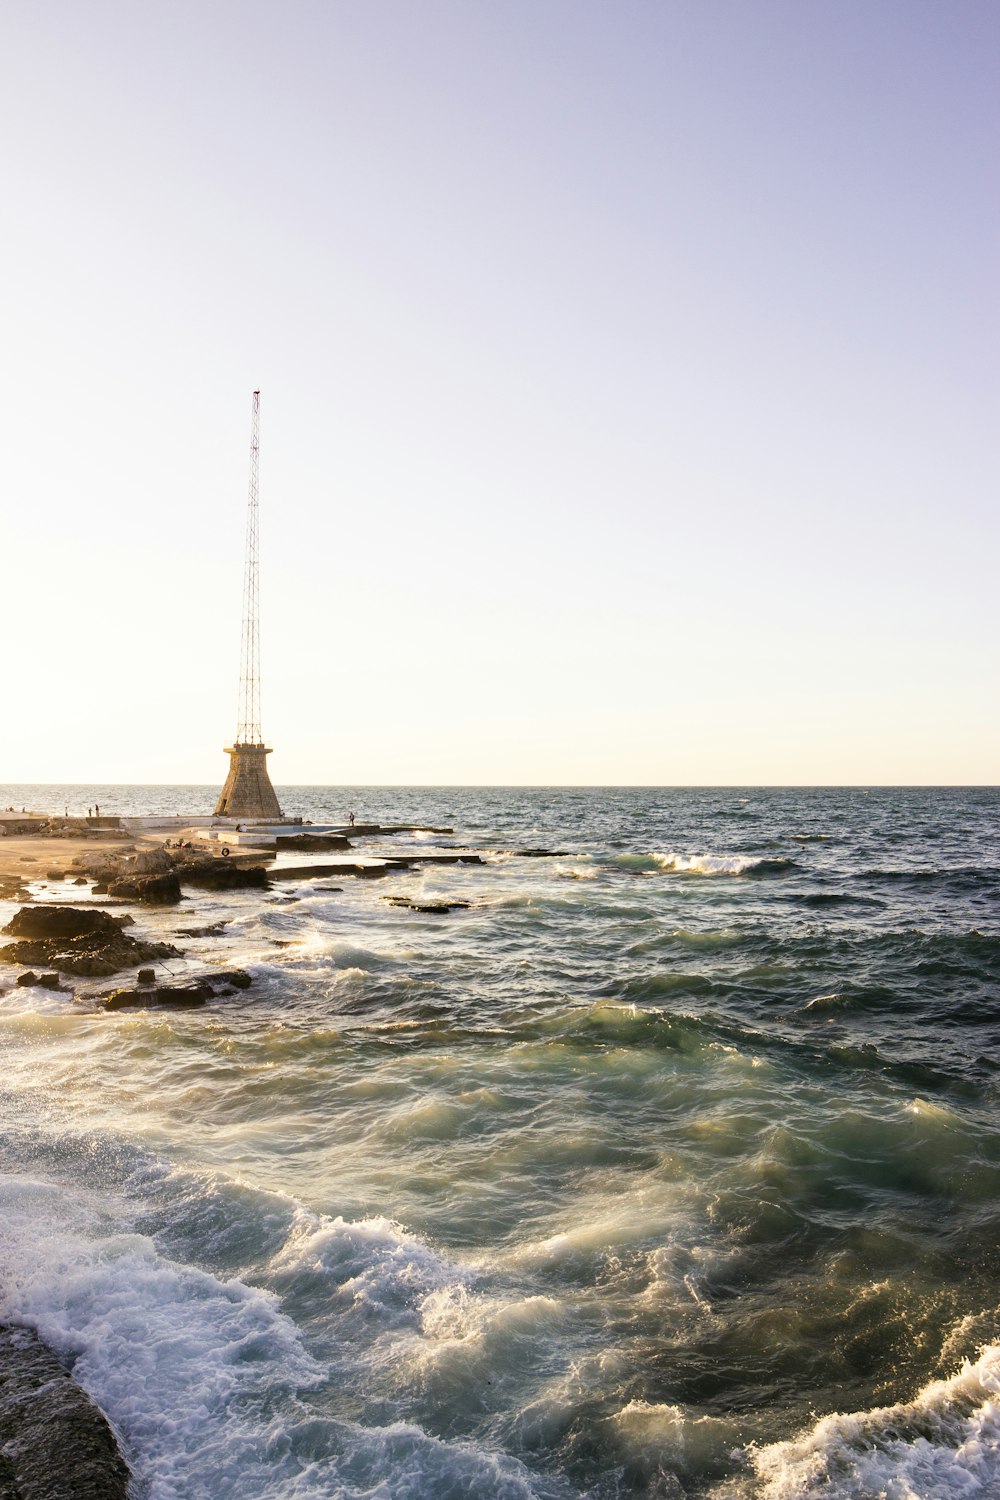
x=248, y=792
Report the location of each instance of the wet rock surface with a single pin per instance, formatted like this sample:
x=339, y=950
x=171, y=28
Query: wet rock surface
x=55, y=1444
x=222, y=875
x=154, y=890
x=75, y=941
x=438, y=907
x=198, y=992
x=160, y=997
x=42, y=981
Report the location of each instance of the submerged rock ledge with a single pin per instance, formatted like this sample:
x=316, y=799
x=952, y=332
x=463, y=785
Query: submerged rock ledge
x=55, y=1444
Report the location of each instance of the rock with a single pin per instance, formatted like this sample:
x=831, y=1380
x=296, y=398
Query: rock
x=61, y=922
x=80, y=880
x=214, y=929
x=55, y=875
x=77, y=942
x=165, y=996
x=146, y=976
x=429, y=906
x=27, y=978
x=238, y=978
x=55, y=1444
x=149, y=862
x=100, y=889
x=154, y=890
x=542, y=853
x=49, y=982
x=222, y=875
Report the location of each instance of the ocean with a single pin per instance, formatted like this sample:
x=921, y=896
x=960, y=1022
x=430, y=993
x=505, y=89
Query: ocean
x=668, y=1167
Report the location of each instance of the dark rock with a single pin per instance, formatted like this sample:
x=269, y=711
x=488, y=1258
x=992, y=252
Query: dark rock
x=55, y=875
x=76, y=942
x=429, y=906
x=222, y=875
x=27, y=978
x=54, y=1442
x=307, y=872
x=163, y=997
x=49, y=982
x=61, y=922
x=80, y=880
x=215, y=929
x=100, y=889
x=542, y=853
x=146, y=976
x=238, y=978
x=444, y=859
x=154, y=890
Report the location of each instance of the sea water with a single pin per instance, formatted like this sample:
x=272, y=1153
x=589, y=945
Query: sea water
x=669, y=1167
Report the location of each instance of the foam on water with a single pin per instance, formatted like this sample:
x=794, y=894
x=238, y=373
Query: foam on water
x=640, y=1161
x=372, y=1263
x=942, y=1444
x=207, y=1381
x=672, y=862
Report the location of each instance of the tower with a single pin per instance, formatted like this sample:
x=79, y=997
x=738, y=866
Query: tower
x=248, y=792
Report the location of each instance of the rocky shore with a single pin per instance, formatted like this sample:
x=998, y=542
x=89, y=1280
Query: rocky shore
x=55, y=1444
x=72, y=923
x=54, y=941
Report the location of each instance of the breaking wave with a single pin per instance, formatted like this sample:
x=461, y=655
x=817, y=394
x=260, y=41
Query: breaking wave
x=943, y=1443
x=672, y=863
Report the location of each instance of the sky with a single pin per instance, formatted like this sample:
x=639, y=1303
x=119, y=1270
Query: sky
x=628, y=389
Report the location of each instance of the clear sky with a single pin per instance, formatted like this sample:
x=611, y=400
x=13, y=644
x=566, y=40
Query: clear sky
x=629, y=388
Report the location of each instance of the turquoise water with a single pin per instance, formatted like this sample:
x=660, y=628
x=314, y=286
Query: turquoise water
x=671, y=1167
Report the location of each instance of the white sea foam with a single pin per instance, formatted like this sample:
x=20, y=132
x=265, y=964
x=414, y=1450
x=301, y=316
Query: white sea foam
x=34, y=1000
x=373, y=1263
x=706, y=864
x=207, y=1381
x=944, y=1443
x=671, y=862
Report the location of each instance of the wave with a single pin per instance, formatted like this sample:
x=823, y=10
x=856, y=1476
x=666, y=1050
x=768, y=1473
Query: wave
x=943, y=1443
x=371, y=1264
x=208, y=1382
x=964, y=879
x=672, y=863
x=838, y=898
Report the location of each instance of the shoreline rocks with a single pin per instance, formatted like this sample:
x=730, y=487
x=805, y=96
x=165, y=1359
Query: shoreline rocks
x=55, y=1443
x=154, y=890
x=148, y=995
x=222, y=875
x=70, y=940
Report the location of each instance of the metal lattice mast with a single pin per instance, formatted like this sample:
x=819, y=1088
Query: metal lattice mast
x=248, y=718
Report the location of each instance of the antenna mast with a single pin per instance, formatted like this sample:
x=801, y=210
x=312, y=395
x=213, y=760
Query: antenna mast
x=248, y=792
x=248, y=730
